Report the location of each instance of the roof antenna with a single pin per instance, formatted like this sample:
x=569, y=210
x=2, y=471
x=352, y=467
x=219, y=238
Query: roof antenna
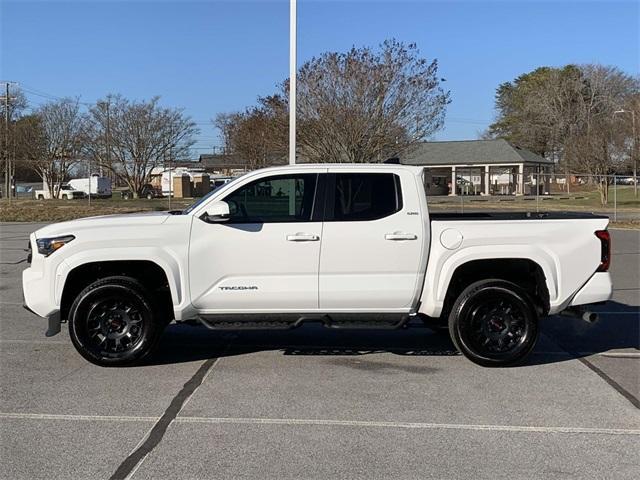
x=392, y=161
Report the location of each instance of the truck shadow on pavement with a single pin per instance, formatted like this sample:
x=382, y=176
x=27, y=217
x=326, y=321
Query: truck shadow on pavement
x=562, y=338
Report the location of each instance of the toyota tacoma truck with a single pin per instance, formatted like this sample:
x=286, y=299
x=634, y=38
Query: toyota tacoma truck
x=351, y=246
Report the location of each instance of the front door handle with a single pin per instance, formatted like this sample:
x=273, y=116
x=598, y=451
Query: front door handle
x=303, y=237
x=400, y=236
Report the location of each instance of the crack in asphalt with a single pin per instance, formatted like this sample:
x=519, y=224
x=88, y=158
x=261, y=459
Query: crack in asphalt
x=155, y=435
x=610, y=381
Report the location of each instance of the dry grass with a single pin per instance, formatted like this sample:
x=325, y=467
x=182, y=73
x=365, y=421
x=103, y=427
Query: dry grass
x=626, y=224
x=61, y=210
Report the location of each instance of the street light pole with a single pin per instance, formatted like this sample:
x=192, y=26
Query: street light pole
x=292, y=80
x=634, y=151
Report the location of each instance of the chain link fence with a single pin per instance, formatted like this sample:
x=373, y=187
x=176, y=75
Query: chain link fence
x=612, y=195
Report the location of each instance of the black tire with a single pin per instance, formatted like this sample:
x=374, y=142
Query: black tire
x=494, y=323
x=113, y=323
x=125, y=196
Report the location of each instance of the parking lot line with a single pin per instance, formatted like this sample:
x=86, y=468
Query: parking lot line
x=89, y=418
x=331, y=423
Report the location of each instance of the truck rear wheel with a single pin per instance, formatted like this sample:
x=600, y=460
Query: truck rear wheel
x=494, y=323
x=112, y=322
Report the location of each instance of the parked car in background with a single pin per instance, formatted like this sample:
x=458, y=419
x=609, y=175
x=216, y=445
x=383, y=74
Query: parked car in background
x=98, y=186
x=219, y=182
x=148, y=191
x=66, y=193
x=628, y=180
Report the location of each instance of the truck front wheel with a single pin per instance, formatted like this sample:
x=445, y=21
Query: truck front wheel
x=494, y=323
x=112, y=322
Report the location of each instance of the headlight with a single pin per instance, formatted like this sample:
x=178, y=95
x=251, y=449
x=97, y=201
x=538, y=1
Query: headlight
x=46, y=246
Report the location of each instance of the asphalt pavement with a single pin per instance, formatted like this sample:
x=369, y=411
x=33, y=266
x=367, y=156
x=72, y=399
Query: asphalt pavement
x=317, y=403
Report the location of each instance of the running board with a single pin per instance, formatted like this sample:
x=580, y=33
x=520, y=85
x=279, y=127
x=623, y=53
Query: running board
x=264, y=321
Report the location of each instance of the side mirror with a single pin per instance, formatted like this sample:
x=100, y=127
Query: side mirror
x=216, y=212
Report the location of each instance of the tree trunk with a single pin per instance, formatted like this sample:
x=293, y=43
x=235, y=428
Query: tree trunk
x=603, y=188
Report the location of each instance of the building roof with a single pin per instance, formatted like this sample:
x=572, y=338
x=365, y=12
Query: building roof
x=221, y=161
x=471, y=152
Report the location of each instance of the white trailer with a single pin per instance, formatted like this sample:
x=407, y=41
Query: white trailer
x=97, y=186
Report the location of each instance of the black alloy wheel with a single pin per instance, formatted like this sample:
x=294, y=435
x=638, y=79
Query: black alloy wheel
x=112, y=322
x=494, y=323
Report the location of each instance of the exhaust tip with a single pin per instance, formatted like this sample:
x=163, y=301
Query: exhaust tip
x=591, y=317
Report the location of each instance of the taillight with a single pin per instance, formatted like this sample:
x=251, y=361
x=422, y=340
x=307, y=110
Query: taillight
x=605, y=250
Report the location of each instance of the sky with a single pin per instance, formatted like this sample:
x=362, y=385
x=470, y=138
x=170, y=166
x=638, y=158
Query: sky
x=213, y=56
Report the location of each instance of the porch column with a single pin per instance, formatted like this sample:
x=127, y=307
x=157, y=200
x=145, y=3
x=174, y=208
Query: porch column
x=520, y=180
x=487, y=181
x=547, y=181
x=453, y=192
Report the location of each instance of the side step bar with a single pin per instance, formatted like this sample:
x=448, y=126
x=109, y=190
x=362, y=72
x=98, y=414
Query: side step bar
x=288, y=321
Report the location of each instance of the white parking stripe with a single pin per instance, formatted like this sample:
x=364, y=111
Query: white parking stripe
x=333, y=423
x=407, y=425
x=90, y=418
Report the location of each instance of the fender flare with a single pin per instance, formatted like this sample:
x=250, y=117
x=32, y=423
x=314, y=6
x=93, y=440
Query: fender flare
x=439, y=275
x=161, y=257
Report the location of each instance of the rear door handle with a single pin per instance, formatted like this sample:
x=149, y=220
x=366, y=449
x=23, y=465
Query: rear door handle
x=303, y=237
x=400, y=236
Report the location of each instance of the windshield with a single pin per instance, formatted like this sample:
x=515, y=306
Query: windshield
x=199, y=202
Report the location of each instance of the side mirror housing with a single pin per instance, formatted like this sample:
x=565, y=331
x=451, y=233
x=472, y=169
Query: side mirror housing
x=216, y=212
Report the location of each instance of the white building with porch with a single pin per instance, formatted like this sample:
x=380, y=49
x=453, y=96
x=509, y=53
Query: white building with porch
x=480, y=167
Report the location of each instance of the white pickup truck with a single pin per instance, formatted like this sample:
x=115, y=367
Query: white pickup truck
x=67, y=192
x=349, y=246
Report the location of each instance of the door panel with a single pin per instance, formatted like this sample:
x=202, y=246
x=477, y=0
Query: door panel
x=265, y=257
x=253, y=266
x=370, y=263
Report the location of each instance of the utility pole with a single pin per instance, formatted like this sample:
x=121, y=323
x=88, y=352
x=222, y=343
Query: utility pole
x=293, y=70
x=108, y=139
x=9, y=165
x=634, y=150
x=170, y=171
x=7, y=161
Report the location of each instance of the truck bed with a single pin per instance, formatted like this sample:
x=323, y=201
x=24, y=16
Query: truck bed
x=514, y=216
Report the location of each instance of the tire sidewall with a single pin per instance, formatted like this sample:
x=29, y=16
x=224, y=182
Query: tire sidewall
x=458, y=315
x=129, y=290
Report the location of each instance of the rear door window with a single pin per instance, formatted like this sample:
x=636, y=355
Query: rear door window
x=363, y=196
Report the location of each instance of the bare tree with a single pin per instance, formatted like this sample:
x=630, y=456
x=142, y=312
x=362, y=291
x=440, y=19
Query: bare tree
x=57, y=136
x=136, y=137
x=227, y=123
x=360, y=106
x=30, y=141
x=12, y=105
x=258, y=136
x=593, y=144
x=366, y=105
x=567, y=114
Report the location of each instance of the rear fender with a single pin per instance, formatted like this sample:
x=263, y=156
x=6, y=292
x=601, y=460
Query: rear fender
x=443, y=264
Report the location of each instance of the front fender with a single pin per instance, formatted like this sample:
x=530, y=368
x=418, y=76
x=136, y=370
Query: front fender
x=160, y=256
